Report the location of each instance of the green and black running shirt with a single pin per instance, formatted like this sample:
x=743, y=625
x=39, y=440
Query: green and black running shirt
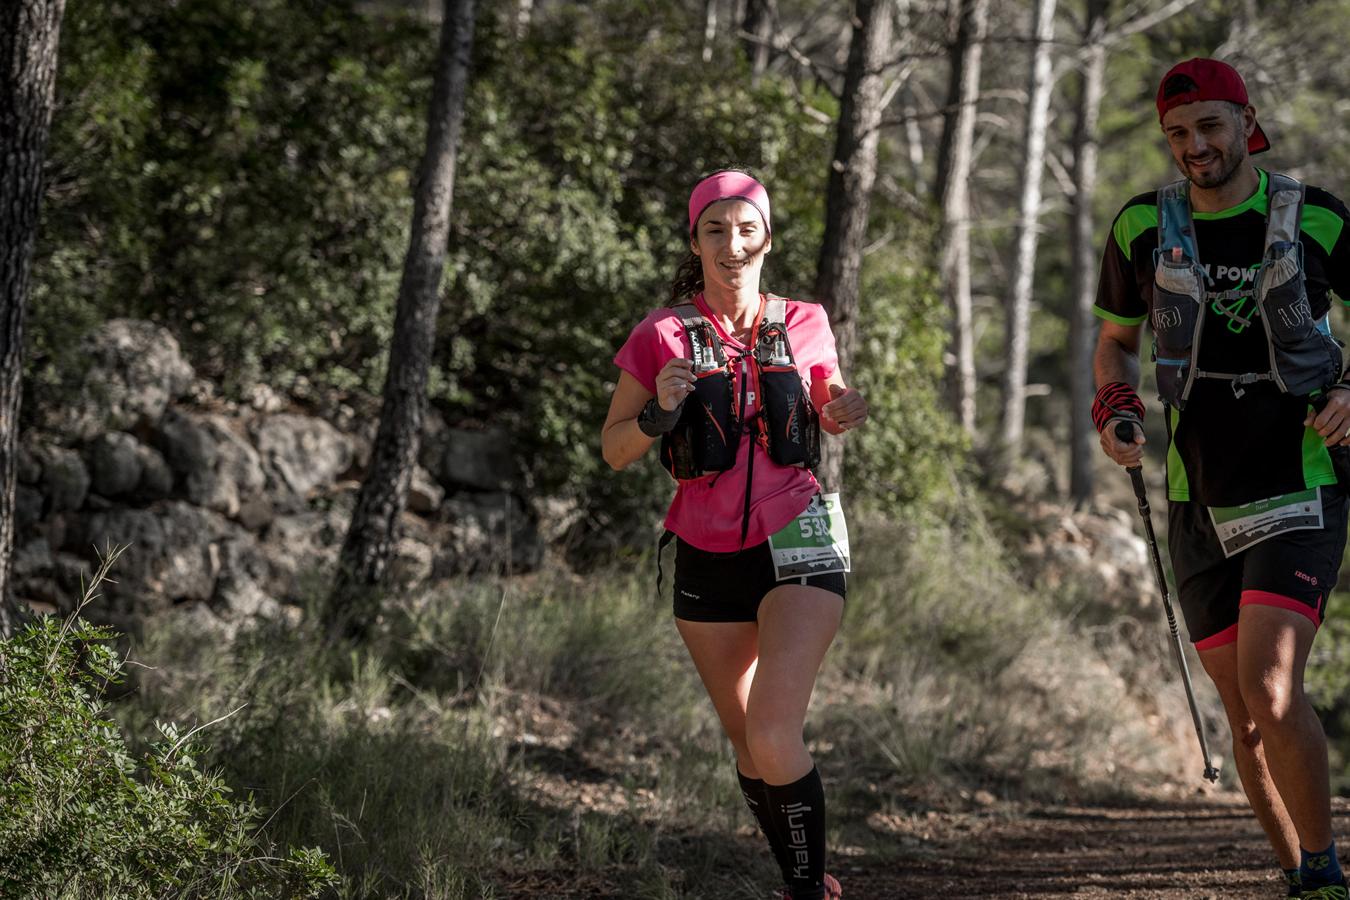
x=1227, y=450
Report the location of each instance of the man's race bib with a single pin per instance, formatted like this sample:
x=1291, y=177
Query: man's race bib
x=1240, y=527
x=814, y=543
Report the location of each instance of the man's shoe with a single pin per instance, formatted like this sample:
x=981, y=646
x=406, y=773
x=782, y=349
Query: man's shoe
x=1327, y=892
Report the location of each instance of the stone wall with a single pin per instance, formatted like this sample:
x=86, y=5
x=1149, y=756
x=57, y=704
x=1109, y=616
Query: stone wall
x=239, y=508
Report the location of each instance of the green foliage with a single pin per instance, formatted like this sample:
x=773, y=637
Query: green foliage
x=911, y=453
x=82, y=816
x=239, y=172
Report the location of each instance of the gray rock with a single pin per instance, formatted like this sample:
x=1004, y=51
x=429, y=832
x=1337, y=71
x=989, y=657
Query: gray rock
x=135, y=370
x=424, y=494
x=29, y=469
x=65, y=480
x=218, y=469
x=300, y=454
x=256, y=513
x=27, y=509
x=115, y=464
x=477, y=460
x=488, y=532
x=244, y=574
x=173, y=551
x=434, y=442
x=156, y=477
x=303, y=547
x=34, y=575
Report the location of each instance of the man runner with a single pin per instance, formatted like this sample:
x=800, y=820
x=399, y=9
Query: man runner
x=1257, y=521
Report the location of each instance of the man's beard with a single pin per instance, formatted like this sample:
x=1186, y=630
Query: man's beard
x=1225, y=172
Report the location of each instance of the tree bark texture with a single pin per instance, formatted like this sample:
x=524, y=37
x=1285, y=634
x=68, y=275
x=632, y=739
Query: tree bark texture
x=30, y=33
x=1018, y=323
x=374, y=531
x=1082, y=435
x=853, y=171
x=954, y=183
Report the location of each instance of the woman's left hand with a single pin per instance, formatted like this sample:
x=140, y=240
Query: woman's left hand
x=846, y=408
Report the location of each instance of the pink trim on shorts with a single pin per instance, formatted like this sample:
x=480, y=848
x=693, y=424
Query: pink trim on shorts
x=1280, y=601
x=1227, y=636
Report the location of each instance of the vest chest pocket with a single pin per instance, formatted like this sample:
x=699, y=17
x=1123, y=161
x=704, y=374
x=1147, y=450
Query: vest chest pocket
x=1303, y=357
x=1178, y=304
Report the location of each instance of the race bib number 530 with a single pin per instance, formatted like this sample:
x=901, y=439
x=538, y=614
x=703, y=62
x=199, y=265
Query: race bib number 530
x=814, y=543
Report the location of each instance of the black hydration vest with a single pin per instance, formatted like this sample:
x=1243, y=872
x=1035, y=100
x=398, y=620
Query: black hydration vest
x=708, y=433
x=1304, y=358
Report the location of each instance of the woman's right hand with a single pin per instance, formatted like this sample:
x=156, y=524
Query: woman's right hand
x=674, y=382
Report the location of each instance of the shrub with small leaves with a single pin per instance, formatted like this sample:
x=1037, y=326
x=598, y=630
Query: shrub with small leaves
x=81, y=816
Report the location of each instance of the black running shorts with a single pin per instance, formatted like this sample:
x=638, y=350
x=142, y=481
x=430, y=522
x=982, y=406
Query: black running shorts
x=728, y=587
x=1294, y=571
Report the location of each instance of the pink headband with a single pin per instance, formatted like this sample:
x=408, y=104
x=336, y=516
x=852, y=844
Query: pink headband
x=727, y=186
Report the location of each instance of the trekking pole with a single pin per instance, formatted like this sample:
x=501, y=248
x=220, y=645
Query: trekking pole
x=1125, y=432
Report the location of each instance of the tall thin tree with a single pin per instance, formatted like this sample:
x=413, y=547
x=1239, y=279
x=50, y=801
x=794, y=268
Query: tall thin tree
x=1092, y=85
x=757, y=28
x=30, y=32
x=853, y=171
x=1018, y=328
x=369, y=545
x=953, y=186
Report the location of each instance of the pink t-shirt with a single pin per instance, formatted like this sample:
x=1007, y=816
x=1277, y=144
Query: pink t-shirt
x=707, y=511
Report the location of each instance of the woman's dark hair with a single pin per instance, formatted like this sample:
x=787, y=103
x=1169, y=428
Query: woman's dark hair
x=688, y=281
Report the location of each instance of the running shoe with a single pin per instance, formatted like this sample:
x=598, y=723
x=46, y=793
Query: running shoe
x=1327, y=892
x=832, y=890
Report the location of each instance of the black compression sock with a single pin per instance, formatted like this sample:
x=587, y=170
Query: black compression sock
x=798, y=811
x=755, y=792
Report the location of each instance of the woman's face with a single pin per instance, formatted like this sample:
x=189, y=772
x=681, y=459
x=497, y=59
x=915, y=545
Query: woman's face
x=731, y=242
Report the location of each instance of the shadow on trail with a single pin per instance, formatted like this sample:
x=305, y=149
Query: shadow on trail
x=1206, y=848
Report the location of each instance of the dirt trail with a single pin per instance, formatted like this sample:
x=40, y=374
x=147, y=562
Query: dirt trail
x=1208, y=847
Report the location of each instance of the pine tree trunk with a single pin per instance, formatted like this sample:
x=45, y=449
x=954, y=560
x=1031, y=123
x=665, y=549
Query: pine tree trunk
x=30, y=33
x=1018, y=325
x=709, y=28
x=524, y=15
x=853, y=171
x=758, y=24
x=374, y=532
x=1082, y=436
x=954, y=183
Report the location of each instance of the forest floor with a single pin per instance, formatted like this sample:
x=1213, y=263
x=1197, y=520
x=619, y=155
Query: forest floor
x=1199, y=847
x=1173, y=842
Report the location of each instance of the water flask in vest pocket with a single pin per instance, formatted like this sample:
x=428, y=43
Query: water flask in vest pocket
x=1178, y=301
x=791, y=425
x=1304, y=356
x=705, y=438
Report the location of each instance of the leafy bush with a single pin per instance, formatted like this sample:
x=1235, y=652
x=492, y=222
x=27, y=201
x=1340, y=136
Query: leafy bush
x=81, y=816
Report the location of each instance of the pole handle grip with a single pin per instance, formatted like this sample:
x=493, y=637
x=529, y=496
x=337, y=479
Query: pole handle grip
x=1125, y=434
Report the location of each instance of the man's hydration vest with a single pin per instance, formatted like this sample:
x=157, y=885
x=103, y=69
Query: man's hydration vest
x=1304, y=358
x=708, y=433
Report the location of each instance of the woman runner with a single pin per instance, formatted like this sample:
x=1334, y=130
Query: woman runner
x=756, y=641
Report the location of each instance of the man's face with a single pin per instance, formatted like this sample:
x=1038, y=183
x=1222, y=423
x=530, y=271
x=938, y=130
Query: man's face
x=1208, y=140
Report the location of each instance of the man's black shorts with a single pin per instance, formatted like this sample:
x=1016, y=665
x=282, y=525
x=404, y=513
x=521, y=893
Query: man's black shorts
x=1294, y=571
x=728, y=587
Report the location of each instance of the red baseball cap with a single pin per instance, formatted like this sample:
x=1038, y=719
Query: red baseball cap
x=1207, y=79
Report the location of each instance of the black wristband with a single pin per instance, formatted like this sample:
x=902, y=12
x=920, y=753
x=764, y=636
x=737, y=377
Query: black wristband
x=655, y=420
